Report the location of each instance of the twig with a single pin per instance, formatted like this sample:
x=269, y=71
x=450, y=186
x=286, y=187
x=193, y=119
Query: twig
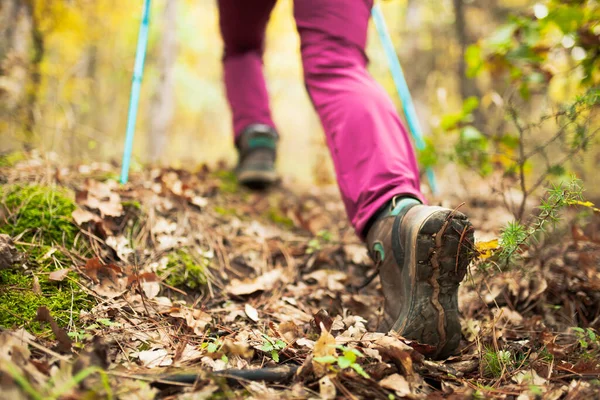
x=521, y=162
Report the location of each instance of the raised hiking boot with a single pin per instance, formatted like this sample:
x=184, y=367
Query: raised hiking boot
x=422, y=253
x=257, y=150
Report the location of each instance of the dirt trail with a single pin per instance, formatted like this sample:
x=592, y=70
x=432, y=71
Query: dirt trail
x=187, y=271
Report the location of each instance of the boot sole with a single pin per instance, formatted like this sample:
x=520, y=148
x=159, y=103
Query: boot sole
x=257, y=179
x=438, y=250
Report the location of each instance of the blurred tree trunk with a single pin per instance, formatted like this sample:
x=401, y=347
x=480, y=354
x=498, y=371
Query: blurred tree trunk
x=162, y=106
x=468, y=87
x=35, y=75
x=15, y=41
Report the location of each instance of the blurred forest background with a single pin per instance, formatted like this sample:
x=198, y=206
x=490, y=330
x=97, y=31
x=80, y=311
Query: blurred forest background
x=501, y=86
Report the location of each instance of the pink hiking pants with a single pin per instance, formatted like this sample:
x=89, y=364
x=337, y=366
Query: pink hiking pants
x=372, y=153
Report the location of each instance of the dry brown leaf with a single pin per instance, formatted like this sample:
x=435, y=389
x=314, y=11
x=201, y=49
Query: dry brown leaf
x=332, y=280
x=357, y=254
x=81, y=216
x=196, y=319
x=398, y=352
x=264, y=282
x=59, y=274
x=35, y=286
x=290, y=331
x=327, y=389
x=397, y=383
x=8, y=252
x=151, y=288
x=237, y=348
x=155, y=358
x=64, y=342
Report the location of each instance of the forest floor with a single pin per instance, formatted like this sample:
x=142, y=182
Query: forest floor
x=184, y=285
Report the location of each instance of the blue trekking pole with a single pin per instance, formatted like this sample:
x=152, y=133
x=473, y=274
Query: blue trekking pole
x=136, y=83
x=402, y=88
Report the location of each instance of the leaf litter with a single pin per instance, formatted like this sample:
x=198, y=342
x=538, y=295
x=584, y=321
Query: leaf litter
x=277, y=295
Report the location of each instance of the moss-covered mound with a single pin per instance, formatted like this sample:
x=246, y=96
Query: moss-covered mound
x=185, y=271
x=40, y=218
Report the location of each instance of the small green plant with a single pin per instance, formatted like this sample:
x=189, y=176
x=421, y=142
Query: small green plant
x=516, y=235
x=214, y=345
x=496, y=362
x=346, y=360
x=316, y=243
x=273, y=347
x=587, y=337
x=545, y=355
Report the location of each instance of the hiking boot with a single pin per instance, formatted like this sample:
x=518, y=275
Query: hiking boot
x=422, y=253
x=257, y=149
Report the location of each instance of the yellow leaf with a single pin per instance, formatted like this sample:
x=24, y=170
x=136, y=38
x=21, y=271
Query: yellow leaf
x=325, y=346
x=486, y=249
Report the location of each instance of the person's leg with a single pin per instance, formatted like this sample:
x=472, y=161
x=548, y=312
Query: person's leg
x=371, y=150
x=243, y=24
x=421, y=252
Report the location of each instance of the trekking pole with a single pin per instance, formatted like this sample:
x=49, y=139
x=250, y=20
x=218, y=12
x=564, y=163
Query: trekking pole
x=136, y=83
x=402, y=88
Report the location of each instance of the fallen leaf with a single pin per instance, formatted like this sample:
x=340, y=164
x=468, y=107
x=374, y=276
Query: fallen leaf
x=264, y=282
x=100, y=196
x=201, y=202
x=64, y=342
x=120, y=244
x=196, y=319
x=8, y=252
x=59, y=274
x=35, y=286
x=155, y=358
x=529, y=377
x=398, y=352
x=94, y=267
x=251, y=312
x=324, y=347
x=332, y=280
x=357, y=254
x=151, y=289
x=327, y=388
x=290, y=331
x=306, y=343
x=397, y=383
x=190, y=353
x=81, y=216
x=237, y=348
x=322, y=319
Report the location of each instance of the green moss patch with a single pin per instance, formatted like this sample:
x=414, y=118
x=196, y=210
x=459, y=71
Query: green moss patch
x=228, y=181
x=19, y=302
x=41, y=214
x=186, y=271
x=275, y=215
x=41, y=217
x=10, y=159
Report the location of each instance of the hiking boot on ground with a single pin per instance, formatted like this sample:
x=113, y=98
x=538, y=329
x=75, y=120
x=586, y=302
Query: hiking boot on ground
x=257, y=150
x=422, y=253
